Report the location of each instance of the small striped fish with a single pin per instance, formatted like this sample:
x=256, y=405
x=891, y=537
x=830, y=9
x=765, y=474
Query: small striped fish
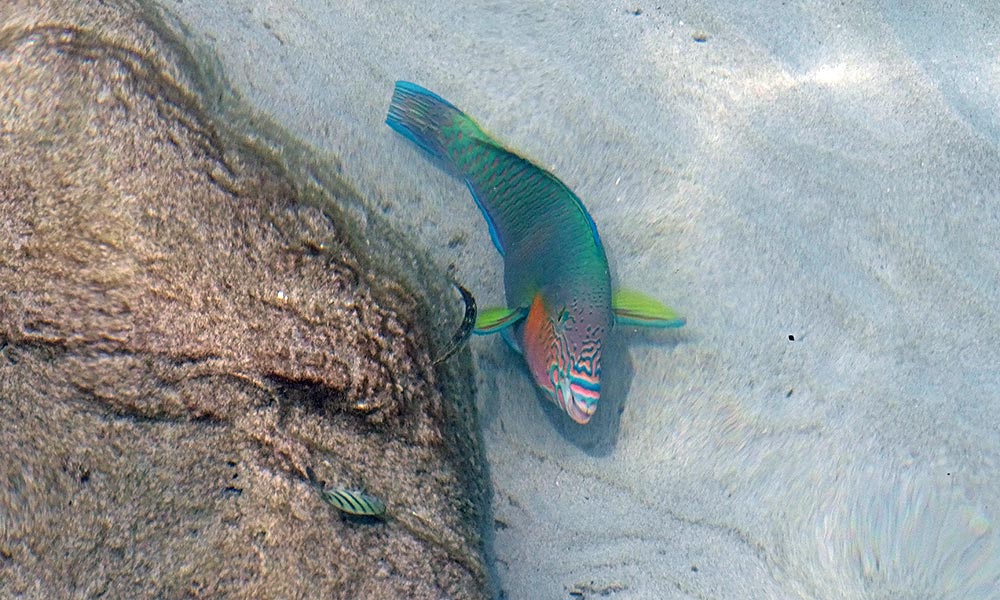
x=354, y=502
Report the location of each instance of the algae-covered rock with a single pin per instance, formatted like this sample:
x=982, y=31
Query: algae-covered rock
x=183, y=334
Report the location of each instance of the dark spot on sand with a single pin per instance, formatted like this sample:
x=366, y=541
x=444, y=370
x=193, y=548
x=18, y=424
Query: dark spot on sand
x=791, y=337
x=3, y=352
x=700, y=36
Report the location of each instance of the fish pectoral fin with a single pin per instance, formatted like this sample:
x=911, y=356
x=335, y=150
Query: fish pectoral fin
x=635, y=309
x=492, y=320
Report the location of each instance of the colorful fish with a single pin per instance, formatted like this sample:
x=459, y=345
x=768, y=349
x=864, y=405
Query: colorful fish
x=354, y=502
x=346, y=500
x=560, y=306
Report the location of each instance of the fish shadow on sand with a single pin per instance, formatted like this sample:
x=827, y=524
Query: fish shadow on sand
x=598, y=437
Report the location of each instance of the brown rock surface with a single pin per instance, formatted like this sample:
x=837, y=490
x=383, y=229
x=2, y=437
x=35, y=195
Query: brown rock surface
x=183, y=334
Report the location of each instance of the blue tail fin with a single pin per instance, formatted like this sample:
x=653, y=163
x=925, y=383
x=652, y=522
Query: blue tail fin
x=448, y=135
x=420, y=115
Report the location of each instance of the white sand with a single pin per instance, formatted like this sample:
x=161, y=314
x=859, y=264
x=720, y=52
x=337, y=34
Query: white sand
x=824, y=171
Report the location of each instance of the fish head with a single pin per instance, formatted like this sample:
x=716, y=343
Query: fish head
x=564, y=358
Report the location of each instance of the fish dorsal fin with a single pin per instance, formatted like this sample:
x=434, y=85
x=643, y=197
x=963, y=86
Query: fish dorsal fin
x=492, y=320
x=635, y=309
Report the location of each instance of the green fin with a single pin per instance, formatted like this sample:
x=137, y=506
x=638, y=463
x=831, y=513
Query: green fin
x=492, y=320
x=635, y=309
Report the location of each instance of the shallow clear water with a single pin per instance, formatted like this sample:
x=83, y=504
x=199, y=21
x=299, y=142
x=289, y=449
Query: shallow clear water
x=823, y=172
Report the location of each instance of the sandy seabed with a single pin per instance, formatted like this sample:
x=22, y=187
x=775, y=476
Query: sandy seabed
x=814, y=186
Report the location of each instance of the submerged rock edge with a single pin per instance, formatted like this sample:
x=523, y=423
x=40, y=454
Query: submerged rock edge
x=228, y=175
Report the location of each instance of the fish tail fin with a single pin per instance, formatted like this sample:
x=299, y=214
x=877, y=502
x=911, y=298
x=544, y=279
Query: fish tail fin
x=428, y=120
x=457, y=144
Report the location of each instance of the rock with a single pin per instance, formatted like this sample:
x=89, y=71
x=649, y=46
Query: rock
x=183, y=332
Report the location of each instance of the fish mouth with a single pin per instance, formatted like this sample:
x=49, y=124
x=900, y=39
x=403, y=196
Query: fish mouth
x=580, y=410
x=579, y=402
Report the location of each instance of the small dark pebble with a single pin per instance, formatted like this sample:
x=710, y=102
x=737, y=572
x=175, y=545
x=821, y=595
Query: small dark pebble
x=231, y=491
x=791, y=338
x=634, y=11
x=694, y=569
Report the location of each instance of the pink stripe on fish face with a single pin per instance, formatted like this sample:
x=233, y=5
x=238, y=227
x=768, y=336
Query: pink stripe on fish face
x=591, y=391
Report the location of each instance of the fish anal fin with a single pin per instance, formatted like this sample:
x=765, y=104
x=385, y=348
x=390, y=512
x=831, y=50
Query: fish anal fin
x=635, y=309
x=492, y=320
